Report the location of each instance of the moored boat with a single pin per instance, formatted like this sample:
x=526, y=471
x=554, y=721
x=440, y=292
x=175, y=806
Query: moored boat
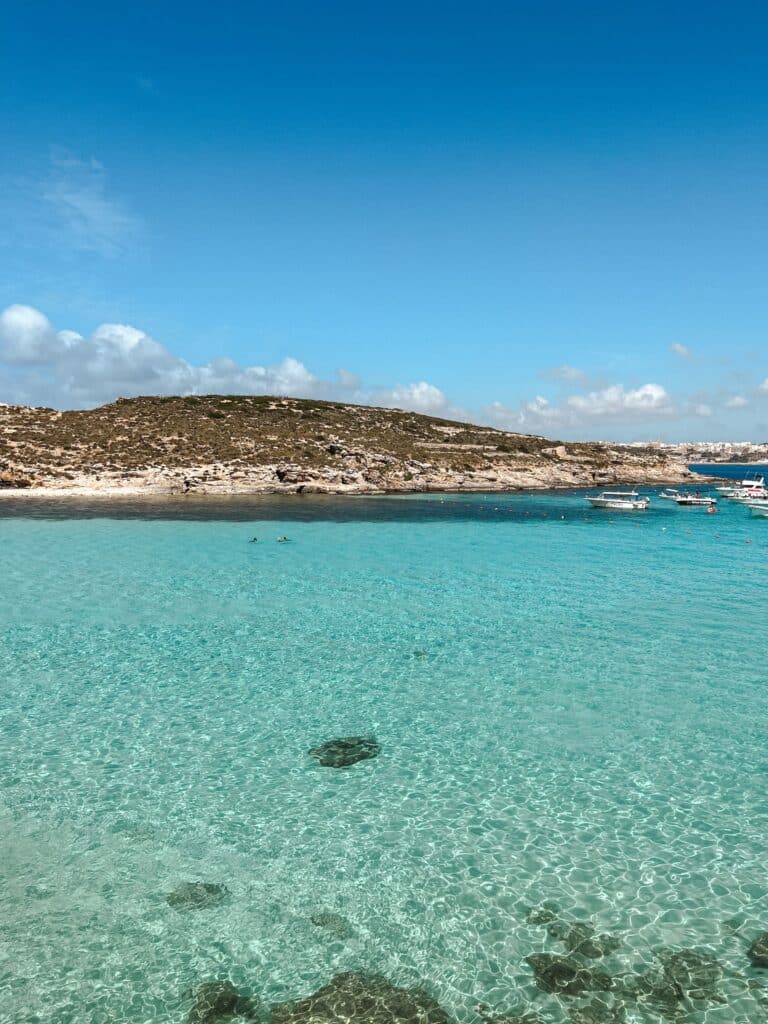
x=758, y=508
x=686, y=497
x=696, y=500
x=619, y=501
x=750, y=489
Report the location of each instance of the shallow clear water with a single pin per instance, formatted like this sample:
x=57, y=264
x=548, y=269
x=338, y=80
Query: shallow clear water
x=571, y=706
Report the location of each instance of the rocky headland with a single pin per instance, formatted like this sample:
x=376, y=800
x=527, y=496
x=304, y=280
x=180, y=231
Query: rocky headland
x=215, y=444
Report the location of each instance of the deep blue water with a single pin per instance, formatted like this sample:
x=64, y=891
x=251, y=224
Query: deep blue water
x=730, y=471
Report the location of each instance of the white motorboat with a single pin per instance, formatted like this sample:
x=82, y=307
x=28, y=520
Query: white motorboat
x=619, y=501
x=751, y=488
x=758, y=508
x=696, y=500
x=686, y=498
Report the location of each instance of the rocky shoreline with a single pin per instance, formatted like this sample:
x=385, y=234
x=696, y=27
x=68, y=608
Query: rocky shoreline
x=243, y=445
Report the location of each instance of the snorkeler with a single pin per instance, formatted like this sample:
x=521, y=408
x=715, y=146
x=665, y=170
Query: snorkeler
x=281, y=540
x=253, y=540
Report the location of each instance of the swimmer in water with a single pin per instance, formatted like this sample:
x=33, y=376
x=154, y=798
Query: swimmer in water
x=253, y=540
x=281, y=540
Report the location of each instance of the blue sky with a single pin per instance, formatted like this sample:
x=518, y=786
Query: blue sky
x=548, y=216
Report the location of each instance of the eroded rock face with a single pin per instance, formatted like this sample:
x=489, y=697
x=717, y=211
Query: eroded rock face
x=197, y=895
x=362, y=998
x=345, y=751
x=580, y=938
x=335, y=924
x=220, y=1001
x=564, y=975
x=758, y=951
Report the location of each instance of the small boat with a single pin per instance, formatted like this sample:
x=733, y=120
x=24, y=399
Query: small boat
x=619, y=501
x=686, y=498
x=695, y=499
x=751, y=487
x=758, y=508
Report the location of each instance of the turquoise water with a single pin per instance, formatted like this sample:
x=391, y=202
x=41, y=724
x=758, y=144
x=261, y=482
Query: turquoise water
x=571, y=706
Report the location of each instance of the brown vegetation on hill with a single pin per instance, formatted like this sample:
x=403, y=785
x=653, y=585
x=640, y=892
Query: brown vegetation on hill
x=242, y=443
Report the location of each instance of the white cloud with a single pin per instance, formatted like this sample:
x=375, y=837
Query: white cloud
x=421, y=397
x=680, y=350
x=613, y=400
x=65, y=369
x=764, y=386
x=736, y=402
x=613, y=404
x=26, y=336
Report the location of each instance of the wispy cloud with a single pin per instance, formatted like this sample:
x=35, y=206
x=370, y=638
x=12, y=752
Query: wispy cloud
x=143, y=83
x=68, y=207
x=682, y=351
x=90, y=219
x=566, y=374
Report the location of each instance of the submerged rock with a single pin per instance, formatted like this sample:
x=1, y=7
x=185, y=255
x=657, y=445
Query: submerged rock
x=566, y=976
x=579, y=937
x=508, y=1018
x=542, y=914
x=696, y=975
x=347, y=750
x=367, y=998
x=334, y=923
x=758, y=951
x=220, y=1000
x=658, y=992
x=684, y=977
x=598, y=1012
x=197, y=895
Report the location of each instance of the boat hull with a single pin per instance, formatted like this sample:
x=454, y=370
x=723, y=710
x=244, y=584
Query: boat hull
x=619, y=506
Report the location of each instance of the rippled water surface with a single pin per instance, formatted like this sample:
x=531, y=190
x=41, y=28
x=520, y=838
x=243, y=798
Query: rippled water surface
x=571, y=707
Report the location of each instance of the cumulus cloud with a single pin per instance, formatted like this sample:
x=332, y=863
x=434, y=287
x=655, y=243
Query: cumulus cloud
x=680, y=350
x=764, y=387
x=613, y=400
x=613, y=404
x=40, y=365
x=736, y=402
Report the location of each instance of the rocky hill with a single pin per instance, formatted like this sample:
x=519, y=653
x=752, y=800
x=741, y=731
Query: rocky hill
x=227, y=444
